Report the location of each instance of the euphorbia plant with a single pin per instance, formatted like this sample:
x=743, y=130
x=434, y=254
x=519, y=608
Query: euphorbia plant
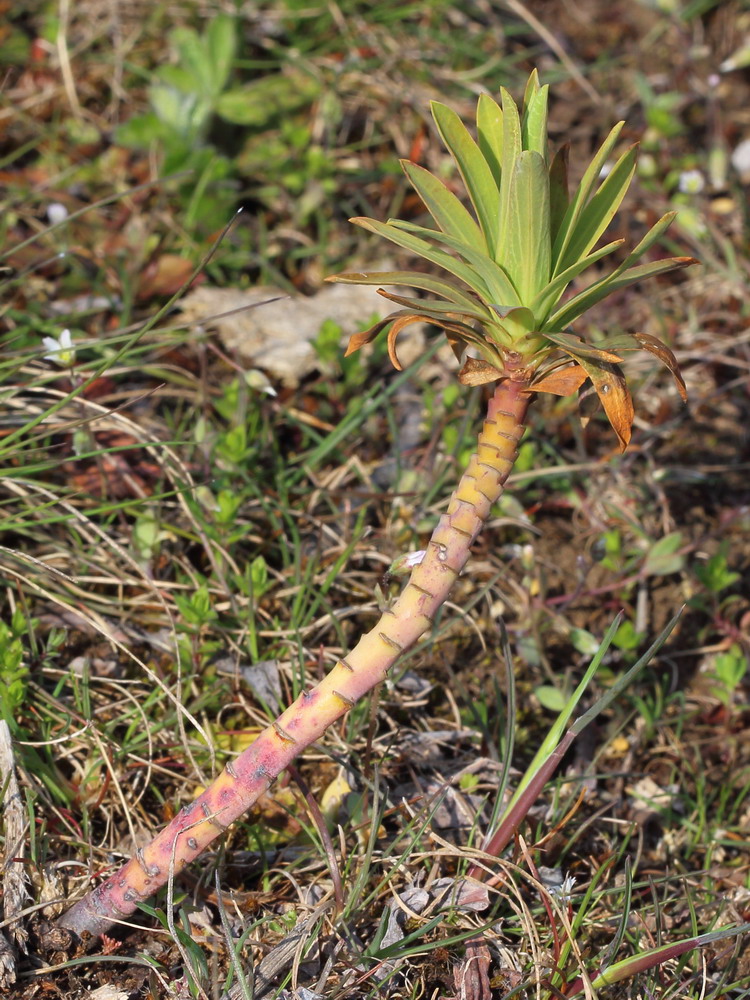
x=513, y=257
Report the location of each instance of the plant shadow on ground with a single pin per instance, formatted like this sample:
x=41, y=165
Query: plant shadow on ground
x=181, y=548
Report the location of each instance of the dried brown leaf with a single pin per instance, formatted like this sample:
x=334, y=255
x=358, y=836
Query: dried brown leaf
x=665, y=355
x=563, y=382
x=612, y=390
x=475, y=372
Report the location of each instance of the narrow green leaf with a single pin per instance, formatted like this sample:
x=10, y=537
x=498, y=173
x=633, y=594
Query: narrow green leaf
x=569, y=223
x=558, y=190
x=531, y=89
x=624, y=905
x=474, y=169
x=535, y=124
x=652, y=236
x=551, y=292
x=528, y=248
x=578, y=348
x=502, y=291
x=490, y=134
x=424, y=249
x=411, y=279
x=444, y=206
x=511, y=151
x=600, y=210
x=580, y=303
x=440, y=308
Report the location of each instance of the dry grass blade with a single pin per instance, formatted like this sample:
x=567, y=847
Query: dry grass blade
x=15, y=883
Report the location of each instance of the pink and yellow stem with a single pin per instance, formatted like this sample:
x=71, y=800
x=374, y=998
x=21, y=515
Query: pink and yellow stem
x=243, y=780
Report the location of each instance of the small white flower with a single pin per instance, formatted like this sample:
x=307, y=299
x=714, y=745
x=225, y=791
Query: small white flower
x=691, y=182
x=56, y=212
x=60, y=349
x=566, y=889
x=557, y=883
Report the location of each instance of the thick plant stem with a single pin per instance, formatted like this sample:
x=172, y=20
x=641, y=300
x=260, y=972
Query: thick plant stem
x=246, y=778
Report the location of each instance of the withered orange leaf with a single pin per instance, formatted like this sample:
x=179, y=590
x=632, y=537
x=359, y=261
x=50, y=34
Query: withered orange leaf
x=475, y=372
x=612, y=390
x=563, y=382
x=665, y=355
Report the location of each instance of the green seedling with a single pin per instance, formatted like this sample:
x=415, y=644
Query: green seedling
x=729, y=670
x=509, y=261
x=184, y=99
x=715, y=574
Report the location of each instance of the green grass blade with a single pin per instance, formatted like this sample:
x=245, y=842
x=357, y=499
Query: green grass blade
x=625, y=906
x=600, y=210
x=569, y=223
x=636, y=964
x=624, y=681
x=474, y=169
x=553, y=737
x=444, y=206
x=490, y=135
x=528, y=241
